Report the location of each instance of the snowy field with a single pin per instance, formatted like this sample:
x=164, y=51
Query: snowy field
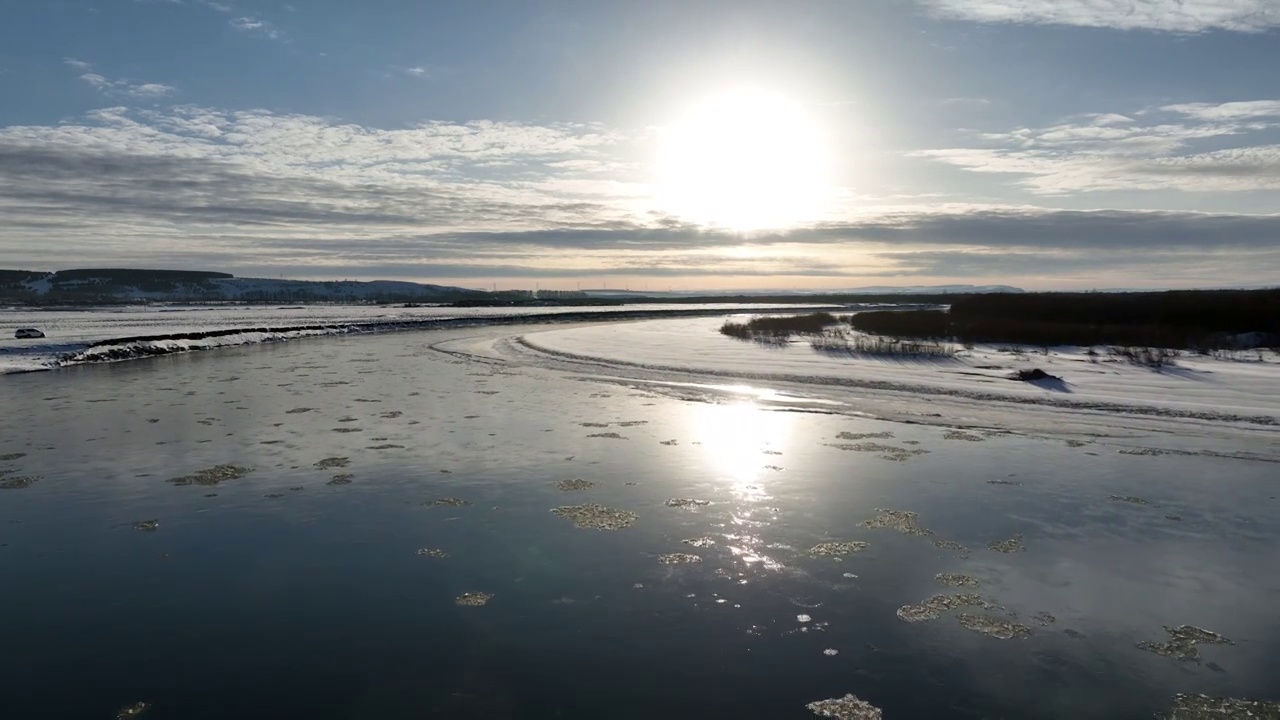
x=70, y=332
x=1246, y=385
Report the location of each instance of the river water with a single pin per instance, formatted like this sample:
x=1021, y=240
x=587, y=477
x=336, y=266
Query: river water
x=296, y=530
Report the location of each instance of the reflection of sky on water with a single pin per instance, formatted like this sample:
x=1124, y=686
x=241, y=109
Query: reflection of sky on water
x=335, y=570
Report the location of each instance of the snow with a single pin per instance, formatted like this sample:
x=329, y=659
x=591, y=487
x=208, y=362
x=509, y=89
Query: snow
x=1196, y=387
x=70, y=333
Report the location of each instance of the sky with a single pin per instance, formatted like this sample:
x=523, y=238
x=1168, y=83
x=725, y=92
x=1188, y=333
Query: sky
x=808, y=144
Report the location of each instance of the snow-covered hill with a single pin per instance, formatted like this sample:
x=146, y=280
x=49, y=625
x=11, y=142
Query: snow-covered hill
x=250, y=288
x=181, y=286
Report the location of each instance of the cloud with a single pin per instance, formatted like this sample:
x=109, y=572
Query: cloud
x=253, y=167
x=138, y=90
x=254, y=26
x=1120, y=268
x=150, y=90
x=418, y=71
x=1170, y=148
x=220, y=7
x=96, y=80
x=191, y=186
x=118, y=87
x=1176, y=16
x=1098, y=230
x=1228, y=111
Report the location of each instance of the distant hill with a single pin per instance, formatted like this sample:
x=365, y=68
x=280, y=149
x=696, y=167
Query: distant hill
x=114, y=285
x=930, y=290
x=871, y=290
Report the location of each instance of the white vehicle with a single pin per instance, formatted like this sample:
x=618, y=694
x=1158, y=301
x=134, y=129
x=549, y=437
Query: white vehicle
x=26, y=333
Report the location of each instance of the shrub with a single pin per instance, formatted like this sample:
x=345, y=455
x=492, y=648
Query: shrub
x=904, y=323
x=779, y=328
x=841, y=343
x=738, y=330
x=1033, y=375
x=1146, y=356
x=1189, y=311
x=1204, y=320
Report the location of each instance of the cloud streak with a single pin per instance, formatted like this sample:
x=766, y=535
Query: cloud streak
x=253, y=26
x=118, y=87
x=1228, y=111
x=1175, y=16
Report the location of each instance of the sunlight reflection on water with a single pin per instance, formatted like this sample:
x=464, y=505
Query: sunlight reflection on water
x=734, y=438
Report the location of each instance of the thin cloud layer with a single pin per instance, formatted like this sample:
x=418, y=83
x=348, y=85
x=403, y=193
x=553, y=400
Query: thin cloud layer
x=1177, y=16
x=197, y=187
x=258, y=163
x=1228, y=111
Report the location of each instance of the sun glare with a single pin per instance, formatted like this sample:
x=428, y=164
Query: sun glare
x=743, y=160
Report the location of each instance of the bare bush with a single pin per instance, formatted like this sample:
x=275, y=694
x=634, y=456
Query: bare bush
x=779, y=328
x=1147, y=356
x=857, y=344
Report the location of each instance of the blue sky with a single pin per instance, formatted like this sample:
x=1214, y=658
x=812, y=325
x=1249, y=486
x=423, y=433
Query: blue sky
x=1044, y=143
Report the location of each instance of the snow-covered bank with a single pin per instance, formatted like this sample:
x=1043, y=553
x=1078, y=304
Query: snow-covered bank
x=1195, y=387
x=34, y=358
x=128, y=349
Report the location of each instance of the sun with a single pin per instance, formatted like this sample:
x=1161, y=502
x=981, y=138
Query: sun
x=744, y=159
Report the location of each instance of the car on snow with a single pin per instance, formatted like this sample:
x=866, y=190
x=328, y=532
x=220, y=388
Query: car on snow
x=27, y=333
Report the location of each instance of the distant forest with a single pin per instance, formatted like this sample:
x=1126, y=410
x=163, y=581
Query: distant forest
x=1193, y=319
x=99, y=284
x=125, y=276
